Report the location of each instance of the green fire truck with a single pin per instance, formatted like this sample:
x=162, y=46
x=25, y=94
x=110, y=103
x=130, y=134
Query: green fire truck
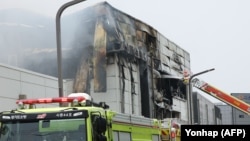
x=80, y=119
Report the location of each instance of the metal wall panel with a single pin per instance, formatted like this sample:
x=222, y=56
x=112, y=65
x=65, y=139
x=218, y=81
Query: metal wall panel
x=10, y=88
x=9, y=72
x=15, y=81
x=31, y=78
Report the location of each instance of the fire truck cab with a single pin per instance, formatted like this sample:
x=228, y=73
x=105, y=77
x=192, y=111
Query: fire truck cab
x=82, y=120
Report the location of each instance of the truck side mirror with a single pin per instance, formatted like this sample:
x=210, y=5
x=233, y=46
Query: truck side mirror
x=101, y=125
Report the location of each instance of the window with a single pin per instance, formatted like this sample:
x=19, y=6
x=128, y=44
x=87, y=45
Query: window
x=241, y=116
x=155, y=138
x=122, y=136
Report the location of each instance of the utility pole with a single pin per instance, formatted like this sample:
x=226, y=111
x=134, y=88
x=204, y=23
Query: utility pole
x=58, y=41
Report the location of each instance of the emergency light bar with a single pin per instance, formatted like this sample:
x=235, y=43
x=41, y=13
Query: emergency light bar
x=76, y=99
x=50, y=100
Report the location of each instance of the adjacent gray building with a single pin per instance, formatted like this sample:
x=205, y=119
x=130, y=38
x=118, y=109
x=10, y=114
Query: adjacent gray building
x=205, y=111
x=233, y=116
x=226, y=113
x=240, y=117
x=19, y=83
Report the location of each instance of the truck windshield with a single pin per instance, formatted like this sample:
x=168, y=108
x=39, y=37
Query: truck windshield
x=57, y=126
x=44, y=130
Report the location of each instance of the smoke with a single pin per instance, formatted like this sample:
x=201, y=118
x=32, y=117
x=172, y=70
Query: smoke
x=21, y=32
x=35, y=44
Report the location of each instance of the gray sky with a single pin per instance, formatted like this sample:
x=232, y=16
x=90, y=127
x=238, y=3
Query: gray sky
x=216, y=33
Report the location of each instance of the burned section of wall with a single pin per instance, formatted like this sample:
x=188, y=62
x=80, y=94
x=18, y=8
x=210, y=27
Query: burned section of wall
x=174, y=60
x=152, y=51
x=99, y=58
x=96, y=39
x=134, y=41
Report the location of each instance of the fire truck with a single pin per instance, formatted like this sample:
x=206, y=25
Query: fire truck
x=219, y=94
x=170, y=130
x=78, y=119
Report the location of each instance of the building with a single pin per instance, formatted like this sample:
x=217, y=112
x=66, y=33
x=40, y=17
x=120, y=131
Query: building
x=239, y=117
x=19, y=83
x=226, y=113
x=205, y=111
x=234, y=116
